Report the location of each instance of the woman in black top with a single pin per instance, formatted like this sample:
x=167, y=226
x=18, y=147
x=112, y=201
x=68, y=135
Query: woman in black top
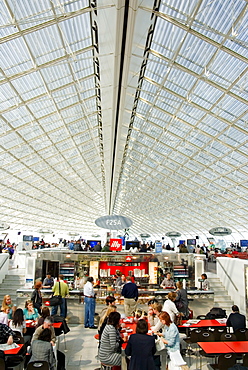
x=141, y=347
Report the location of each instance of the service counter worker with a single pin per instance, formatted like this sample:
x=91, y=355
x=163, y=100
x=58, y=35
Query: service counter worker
x=89, y=304
x=130, y=294
x=168, y=282
x=60, y=288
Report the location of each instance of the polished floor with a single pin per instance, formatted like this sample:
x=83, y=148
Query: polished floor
x=81, y=346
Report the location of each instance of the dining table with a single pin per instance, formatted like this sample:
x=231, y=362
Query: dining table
x=13, y=351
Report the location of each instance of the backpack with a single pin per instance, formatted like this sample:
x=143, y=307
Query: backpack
x=216, y=313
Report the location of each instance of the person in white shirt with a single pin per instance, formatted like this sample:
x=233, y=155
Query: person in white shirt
x=4, y=315
x=90, y=304
x=156, y=324
x=205, y=283
x=170, y=307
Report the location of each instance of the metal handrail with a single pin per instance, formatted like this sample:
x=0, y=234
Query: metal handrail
x=229, y=277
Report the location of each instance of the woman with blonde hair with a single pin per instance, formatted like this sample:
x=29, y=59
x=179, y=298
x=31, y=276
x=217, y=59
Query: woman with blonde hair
x=170, y=307
x=104, y=319
x=156, y=325
x=7, y=303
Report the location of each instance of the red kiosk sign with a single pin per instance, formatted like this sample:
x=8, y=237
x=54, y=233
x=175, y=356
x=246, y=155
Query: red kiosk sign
x=115, y=244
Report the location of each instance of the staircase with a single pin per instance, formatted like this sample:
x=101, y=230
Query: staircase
x=13, y=281
x=221, y=298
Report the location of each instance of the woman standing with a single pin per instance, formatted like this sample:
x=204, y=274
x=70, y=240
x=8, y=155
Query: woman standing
x=36, y=297
x=141, y=348
x=181, y=300
x=110, y=345
x=30, y=312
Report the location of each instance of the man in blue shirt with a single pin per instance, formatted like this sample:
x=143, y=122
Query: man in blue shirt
x=130, y=294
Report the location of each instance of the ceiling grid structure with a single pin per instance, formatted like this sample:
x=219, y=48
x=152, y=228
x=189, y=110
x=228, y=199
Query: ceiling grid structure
x=137, y=108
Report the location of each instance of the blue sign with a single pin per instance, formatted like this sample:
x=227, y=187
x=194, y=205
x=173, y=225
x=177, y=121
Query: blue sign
x=158, y=247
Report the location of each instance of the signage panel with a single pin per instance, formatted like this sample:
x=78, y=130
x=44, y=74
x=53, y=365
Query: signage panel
x=115, y=244
x=158, y=247
x=113, y=222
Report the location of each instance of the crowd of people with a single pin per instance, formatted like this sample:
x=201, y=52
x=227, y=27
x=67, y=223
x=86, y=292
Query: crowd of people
x=40, y=339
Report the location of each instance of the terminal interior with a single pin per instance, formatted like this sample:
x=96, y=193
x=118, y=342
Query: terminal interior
x=124, y=123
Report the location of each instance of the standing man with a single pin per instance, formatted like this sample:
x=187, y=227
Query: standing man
x=90, y=304
x=130, y=294
x=61, y=288
x=168, y=282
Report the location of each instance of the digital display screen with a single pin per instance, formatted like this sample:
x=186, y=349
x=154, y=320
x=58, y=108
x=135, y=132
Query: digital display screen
x=244, y=243
x=132, y=244
x=27, y=238
x=191, y=241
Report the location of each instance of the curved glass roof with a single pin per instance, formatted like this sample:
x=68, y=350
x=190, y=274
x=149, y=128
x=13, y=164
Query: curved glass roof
x=136, y=108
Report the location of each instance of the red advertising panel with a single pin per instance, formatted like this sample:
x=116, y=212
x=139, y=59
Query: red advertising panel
x=115, y=244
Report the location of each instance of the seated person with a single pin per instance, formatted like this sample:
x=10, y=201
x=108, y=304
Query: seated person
x=141, y=347
x=47, y=324
x=104, y=319
x=45, y=312
x=6, y=334
x=168, y=282
x=153, y=316
x=30, y=312
x=41, y=349
x=205, y=283
x=4, y=315
x=236, y=320
x=110, y=301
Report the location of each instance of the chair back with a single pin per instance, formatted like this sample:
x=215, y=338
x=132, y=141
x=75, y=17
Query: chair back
x=245, y=360
x=217, y=332
x=38, y=365
x=226, y=360
x=2, y=364
x=18, y=338
x=228, y=337
x=240, y=334
x=195, y=335
x=206, y=337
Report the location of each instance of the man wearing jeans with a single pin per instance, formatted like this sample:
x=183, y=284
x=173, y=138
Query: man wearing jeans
x=61, y=288
x=90, y=304
x=130, y=294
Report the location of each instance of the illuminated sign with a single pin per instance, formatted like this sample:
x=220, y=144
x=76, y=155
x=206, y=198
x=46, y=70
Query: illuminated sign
x=115, y=244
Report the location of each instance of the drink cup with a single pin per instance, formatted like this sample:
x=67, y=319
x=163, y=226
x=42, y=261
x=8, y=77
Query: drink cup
x=125, y=337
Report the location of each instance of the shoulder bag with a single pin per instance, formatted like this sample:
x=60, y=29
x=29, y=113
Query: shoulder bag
x=160, y=345
x=56, y=300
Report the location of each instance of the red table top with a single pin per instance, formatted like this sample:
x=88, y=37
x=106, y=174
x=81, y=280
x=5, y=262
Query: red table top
x=33, y=323
x=14, y=351
x=214, y=347
x=238, y=346
x=201, y=324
